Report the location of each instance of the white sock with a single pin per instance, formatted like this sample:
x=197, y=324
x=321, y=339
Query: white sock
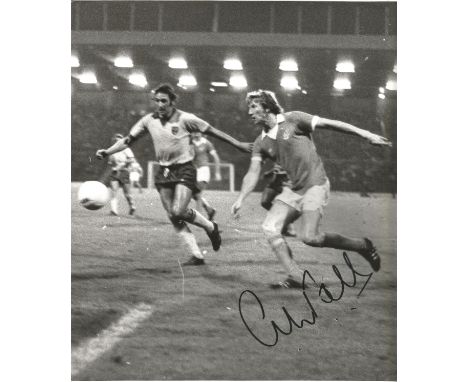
x=114, y=204
x=200, y=221
x=189, y=240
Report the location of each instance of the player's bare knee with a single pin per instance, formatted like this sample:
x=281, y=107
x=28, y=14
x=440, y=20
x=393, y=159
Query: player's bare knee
x=314, y=240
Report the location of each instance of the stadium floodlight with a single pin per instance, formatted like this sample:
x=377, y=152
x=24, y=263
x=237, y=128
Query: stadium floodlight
x=138, y=79
x=232, y=64
x=219, y=84
x=345, y=67
x=342, y=84
x=75, y=62
x=382, y=90
x=391, y=85
x=238, y=81
x=88, y=78
x=304, y=91
x=288, y=66
x=289, y=82
x=115, y=87
x=381, y=96
x=187, y=80
x=123, y=62
x=178, y=63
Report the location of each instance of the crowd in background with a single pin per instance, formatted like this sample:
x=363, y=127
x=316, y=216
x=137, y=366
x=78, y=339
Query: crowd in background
x=351, y=163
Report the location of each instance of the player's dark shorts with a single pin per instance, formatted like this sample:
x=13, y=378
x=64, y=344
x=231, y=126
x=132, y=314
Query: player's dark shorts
x=276, y=183
x=121, y=176
x=170, y=176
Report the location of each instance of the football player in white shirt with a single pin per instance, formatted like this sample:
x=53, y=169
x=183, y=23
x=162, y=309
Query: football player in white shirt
x=117, y=176
x=176, y=179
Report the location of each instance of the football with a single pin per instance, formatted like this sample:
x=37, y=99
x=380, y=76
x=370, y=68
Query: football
x=93, y=195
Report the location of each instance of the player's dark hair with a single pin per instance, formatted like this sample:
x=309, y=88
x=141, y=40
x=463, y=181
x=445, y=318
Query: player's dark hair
x=267, y=99
x=166, y=89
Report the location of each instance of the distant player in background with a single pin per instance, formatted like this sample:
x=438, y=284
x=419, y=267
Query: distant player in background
x=136, y=172
x=117, y=176
x=176, y=179
x=277, y=177
x=287, y=139
x=203, y=149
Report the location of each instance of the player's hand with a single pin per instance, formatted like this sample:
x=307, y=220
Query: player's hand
x=378, y=140
x=245, y=146
x=218, y=177
x=101, y=154
x=236, y=207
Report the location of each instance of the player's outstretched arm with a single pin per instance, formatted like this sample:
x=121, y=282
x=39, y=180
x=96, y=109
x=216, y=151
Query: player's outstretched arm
x=242, y=146
x=347, y=128
x=248, y=184
x=120, y=145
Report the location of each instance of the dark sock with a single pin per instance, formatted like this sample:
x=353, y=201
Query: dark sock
x=334, y=240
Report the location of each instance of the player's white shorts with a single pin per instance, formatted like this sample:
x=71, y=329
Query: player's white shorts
x=203, y=174
x=134, y=176
x=315, y=198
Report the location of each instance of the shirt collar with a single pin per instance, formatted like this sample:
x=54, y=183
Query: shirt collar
x=274, y=131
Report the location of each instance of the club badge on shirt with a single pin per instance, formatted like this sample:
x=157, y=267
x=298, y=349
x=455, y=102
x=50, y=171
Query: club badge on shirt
x=175, y=129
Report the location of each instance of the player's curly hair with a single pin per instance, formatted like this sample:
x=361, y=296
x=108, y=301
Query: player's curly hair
x=267, y=99
x=165, y=88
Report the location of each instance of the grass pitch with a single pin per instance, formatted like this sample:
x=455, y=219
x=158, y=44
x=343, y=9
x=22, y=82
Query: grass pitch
x=195, y=330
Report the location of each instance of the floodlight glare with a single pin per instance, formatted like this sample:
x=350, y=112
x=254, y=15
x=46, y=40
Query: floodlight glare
x=381, y=90
x=381, y=96
x=219, y=84
x=178, y=63
x=391, y=85
x=288, y=66
x=123, y=62
x=187, y=80
x=75, y=62
x=88, y=78
x=233, y=64
x=238, y=81
x=345, y=67
x=138, y=79
x=342, y=84
x=289, y=83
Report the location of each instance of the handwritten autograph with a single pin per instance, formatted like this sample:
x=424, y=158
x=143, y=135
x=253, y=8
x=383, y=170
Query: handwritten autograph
x=324, y=293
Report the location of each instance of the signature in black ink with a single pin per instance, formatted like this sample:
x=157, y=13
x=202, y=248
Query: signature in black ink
x=324, y=293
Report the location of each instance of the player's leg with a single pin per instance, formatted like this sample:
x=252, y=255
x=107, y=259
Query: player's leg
x=268, y=195
x=312, y=205
x=203, y=179
x=279, y=215
x=180, y=209
x=181, y=228
x=128, y=195
x=114, y=204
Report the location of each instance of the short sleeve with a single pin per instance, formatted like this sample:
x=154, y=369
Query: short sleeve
x=257, y=149
x=194, y=124
x=305, y=122
x=139, y=128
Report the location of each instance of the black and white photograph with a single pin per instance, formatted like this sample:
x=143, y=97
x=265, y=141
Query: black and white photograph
x=233, y=190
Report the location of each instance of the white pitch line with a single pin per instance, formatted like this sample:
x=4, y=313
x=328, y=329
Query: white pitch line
x=92, y=349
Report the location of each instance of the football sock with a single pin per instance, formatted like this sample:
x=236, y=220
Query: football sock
x=188, y=238
x=284, y=255
x=113, y=205
x=199, y=220
x=206, y=205
x=337, y=241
